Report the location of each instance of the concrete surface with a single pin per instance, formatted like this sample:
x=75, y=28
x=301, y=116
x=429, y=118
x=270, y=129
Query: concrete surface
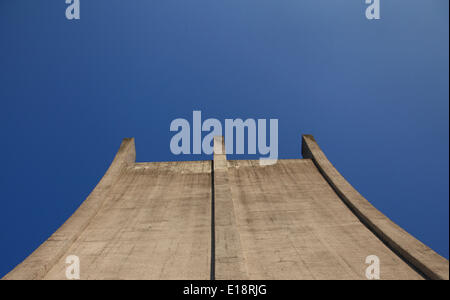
x=296, y=219
x=143, y=221
x=229, y=258
x=424, y=259
x=292, y=225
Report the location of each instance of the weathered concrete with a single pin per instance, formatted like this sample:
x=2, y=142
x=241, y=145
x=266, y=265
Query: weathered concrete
x=413, y=251
x=143, y=221
x=229, y=262
x=296, y=219
x=37, y=265
x=293, y=226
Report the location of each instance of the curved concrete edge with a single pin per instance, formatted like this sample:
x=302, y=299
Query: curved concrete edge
x=38, y=263
x=415, y=253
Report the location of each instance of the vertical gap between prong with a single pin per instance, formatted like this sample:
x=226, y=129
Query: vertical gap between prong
x=213, y=227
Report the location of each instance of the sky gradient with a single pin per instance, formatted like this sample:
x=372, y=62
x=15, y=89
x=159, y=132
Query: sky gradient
x=375, y=95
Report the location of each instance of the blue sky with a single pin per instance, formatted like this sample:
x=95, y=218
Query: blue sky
x=373, y=93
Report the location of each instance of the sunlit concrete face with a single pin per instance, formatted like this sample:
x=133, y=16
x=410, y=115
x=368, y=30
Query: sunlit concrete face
x=292, y=225
x=296, y=219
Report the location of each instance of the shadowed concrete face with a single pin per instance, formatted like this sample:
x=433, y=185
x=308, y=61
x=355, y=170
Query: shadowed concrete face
x=142, y=221
x=156, y=226
x=296, y=219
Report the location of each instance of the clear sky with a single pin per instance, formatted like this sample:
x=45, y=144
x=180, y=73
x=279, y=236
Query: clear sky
x=375, y=95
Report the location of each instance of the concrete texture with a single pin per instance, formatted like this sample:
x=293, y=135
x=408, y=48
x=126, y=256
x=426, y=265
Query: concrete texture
x=406, y=246
x=292, y=225
x=296, y=219
x=229, y=258
x=143, y=221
